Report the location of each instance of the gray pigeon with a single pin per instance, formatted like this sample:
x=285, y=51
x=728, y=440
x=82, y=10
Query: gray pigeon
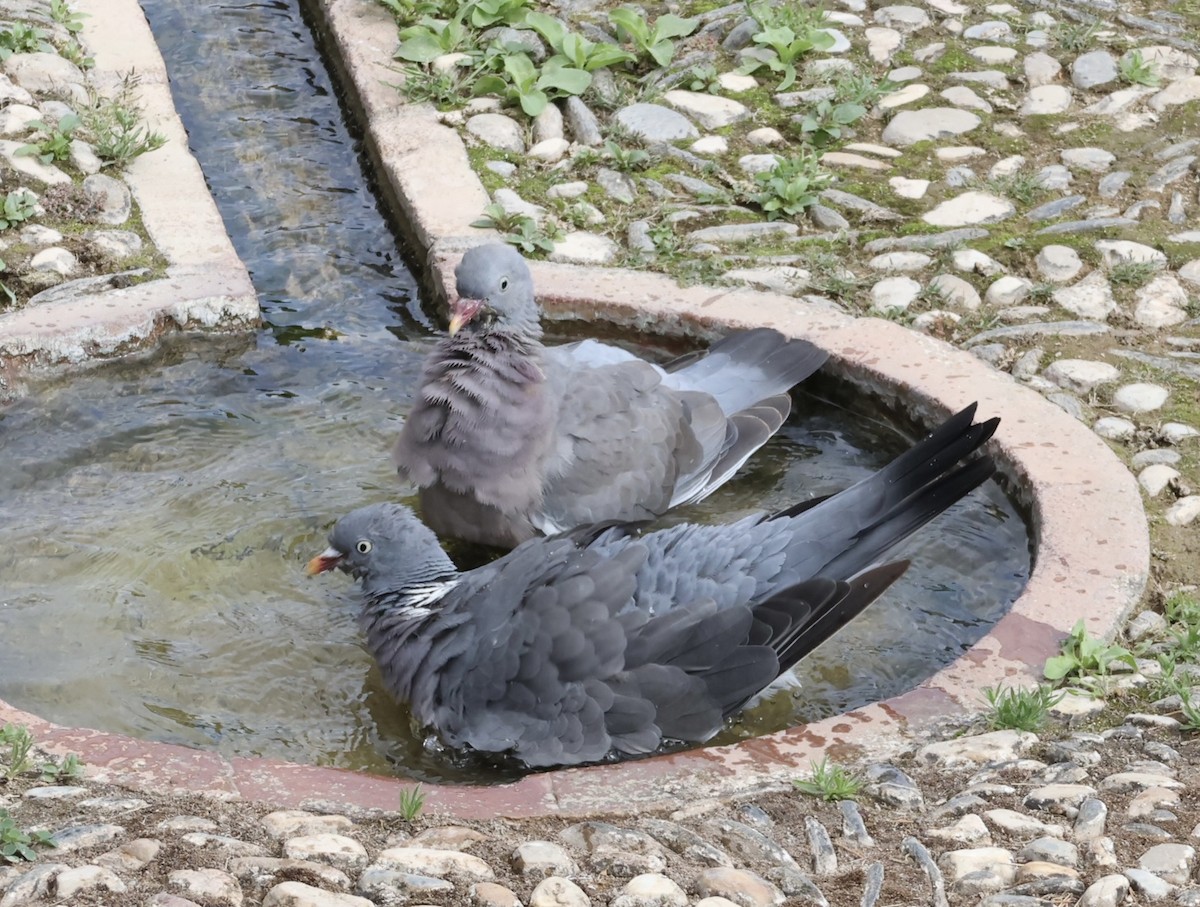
x=508, y=439
x=600, y=644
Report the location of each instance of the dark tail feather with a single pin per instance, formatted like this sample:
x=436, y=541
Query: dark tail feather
x=909, y=515
x=851, y=598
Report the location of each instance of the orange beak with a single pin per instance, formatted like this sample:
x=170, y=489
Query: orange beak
x=327, y=560
x=462, y=311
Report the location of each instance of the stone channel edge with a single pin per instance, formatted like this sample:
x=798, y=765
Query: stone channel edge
x=1092, y=544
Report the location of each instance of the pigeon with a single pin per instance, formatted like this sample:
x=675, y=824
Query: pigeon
x=509, y=439
x=602, y=644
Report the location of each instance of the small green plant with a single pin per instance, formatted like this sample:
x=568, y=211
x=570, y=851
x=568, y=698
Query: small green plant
x=486, y=13
x=1084, y=654
x=519, y=230
x=445, y=88
x=69, y=769
x=1136, y=70
x=704, y=78
x=53, y=142
x=655, y=41
x=531, y=88
x=830, y=782
x=1013, y=708
x=16, y=844
x=860, y=88
x=430, y=38
x=68, y=18
x=8, y=294
x=825, y=122
x=574, y=50
x=19, y=206
x=624, y=159
x=1023, y=186
x=116, y=128
x=412, y=801
x=791, y=186
x=20, y=38
x=788, y=33
x=1075, y=37
x=1132, y=273
x=408, y=11
x=17, y=743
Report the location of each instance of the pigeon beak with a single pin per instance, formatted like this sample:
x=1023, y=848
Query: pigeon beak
x=462, y=311
x=327, y=560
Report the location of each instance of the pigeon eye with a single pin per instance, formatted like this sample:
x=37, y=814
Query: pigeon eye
x=363, y=546
x=503, y=284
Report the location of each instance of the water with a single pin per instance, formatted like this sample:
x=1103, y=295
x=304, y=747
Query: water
x=155, y=515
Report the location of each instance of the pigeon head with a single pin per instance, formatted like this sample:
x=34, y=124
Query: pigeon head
x=386, y=547
x=494, y=289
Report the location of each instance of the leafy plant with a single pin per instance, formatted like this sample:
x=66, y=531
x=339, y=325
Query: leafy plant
x=430, y=38
x=519, y=230
x=1132, y=273
x=624, y=159
x=412, y=801
x=445, y=87
x=830, y=782
x=787, y=34
x=1022, y=186
x=406, y=11
x=1013, y=708
x=574, y=49
x=1076, y=37
x=19, y=743
x=860, y=88
x=791, y=186
x=17, y=844
x=655, y=40
x=704, y=78
x=1083, y=654
x=116, y=127
x=69, y=769
x=522, y=82
x=824, y=124
x=55, y=141
x=20, y=38
x=19, y=206
x=1189, y=711
x=70, y=19
x=1136, y=70
x=485, y=13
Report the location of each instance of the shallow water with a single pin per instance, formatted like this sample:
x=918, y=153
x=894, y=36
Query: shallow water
x=155, y=515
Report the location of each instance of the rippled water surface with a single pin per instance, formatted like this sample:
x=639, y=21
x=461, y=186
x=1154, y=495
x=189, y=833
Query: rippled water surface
x=155, y=515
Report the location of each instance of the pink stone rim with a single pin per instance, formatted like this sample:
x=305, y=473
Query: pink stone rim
x=1092, y=555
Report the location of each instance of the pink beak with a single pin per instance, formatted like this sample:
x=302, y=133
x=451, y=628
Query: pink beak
x=462, y=310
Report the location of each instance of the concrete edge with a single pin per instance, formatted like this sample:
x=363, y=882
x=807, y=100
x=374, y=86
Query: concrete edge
x=207, y=287
x=1092, y=559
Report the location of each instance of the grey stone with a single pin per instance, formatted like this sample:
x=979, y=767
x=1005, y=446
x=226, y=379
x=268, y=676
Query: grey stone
x=116, y=202
x=655, y=123
x=748, y=843
x=867, y=210
x=894, y=294
x=1140, y=397
x=1050, y=850
x=335, y=850
x=741, y=886
x=1041, y=69
x=1056, y=208
x=1054, y=177
x=1107, y=891
x=542, y=858
x=498, y=131
x=1058, y=264
x=735, y=233
x=433, y=862
x=710, y=111
x=973, y=207
x=1161, y=303
x=945, y=240
x=1008, y=290
x=1096, y=160
x=1119, y=251
x=1046, y=100
x=82, y=879
x=1114, y=428
x=581, y=122
x=382, y=884
x=210, y=886
x=1184, y=511
x=992, y=30
x=44, y=73
x=1091, y=298
x=826, y=218
x=1081, y=376
x=824, y=856
x=1112, y=183
x=956, y=292
x=1149, y=457
x=616, y=185
x=1097, y=67
x=298, y=894
x=650, y=890
x=911, y=126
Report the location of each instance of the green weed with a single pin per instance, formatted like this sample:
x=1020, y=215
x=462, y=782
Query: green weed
x=830, y=782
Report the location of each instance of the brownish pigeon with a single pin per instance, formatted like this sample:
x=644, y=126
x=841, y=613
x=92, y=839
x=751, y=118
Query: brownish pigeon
x=508, y=439
x=601, y=644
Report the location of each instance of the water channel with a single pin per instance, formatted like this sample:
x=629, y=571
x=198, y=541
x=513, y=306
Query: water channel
x=155, y=514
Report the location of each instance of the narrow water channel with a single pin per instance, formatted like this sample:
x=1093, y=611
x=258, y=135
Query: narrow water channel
x=155, y=514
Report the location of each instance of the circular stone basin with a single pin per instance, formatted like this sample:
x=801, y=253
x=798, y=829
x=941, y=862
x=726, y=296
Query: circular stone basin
x=1090, y=562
